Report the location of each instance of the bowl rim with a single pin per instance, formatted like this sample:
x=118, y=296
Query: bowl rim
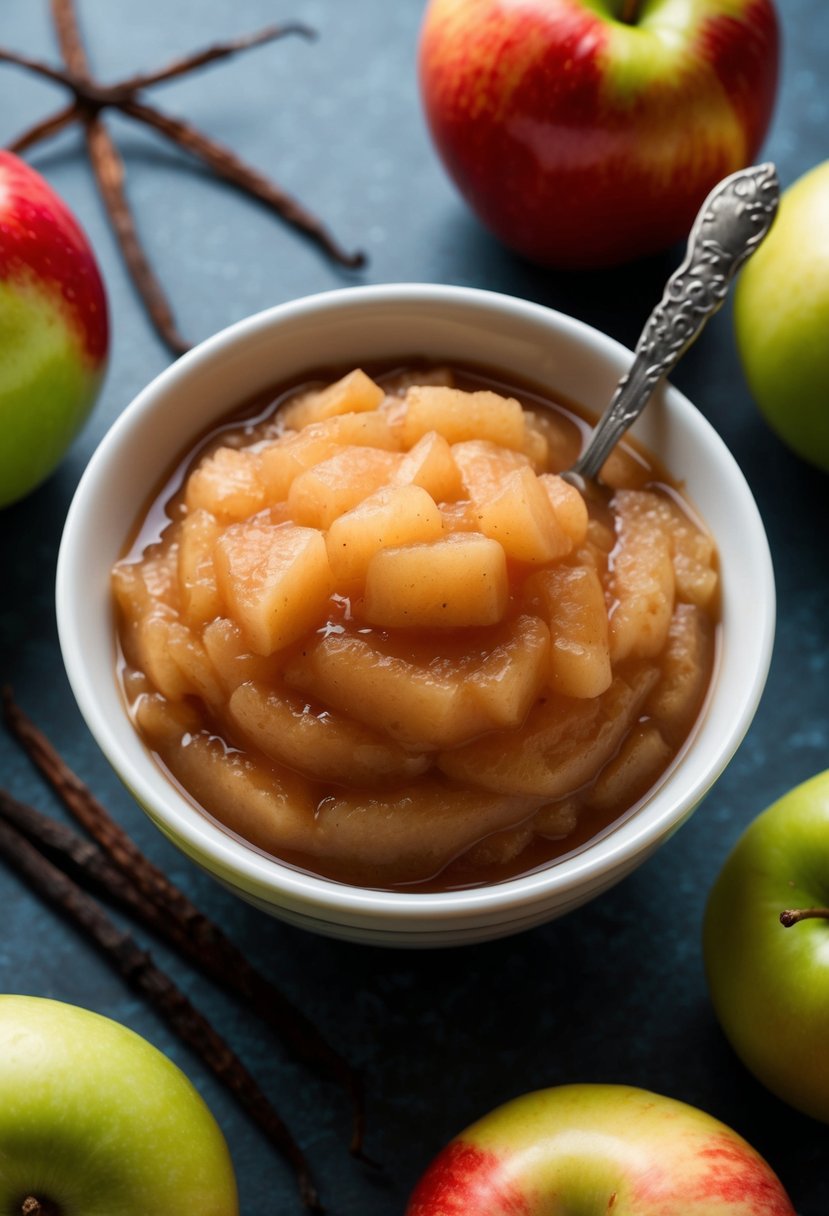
x=215, y=847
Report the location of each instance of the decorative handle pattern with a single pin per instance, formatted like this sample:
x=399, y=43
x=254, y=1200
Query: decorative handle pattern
x=731, y=223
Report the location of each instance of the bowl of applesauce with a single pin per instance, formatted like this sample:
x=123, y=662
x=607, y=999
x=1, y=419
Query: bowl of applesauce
x=359, y=650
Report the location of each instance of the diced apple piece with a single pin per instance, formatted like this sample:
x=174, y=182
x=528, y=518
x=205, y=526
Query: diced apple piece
x=282, y=460
x=420, y=705
x=430, y=464
x=200, y=600
x=459, y=415
x=193, y=661
x=571, y=600
x=642, y=581
x=164, y=722
x=569, y=506
x=412, y=834
x=642, y=758
x=522, y=519
x=458, y=581
x=275, y=581
x=395, y=515
x=561, y=745
x=430, y=696
x=370, y=429
x=325, y=491
x=354, y=393
x=484, y=466
x=694, y=557
x=685, y=671
x=139, y=586
x=227, y=484
x=507, y=682
x=285, y=458
x=323, y=745
x=154, y=654
x=232, y=659
x=273, y=810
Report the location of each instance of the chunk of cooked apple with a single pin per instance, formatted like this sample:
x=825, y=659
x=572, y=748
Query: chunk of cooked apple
x=459, y=415
x=684, y=667
x=324, y=745
x=562, y=744
x=353, y=393
x=571, y=600
x=227, y=484
x=284, y=458
x=430, y=464
x=275, y=581
x=349, y=475
x=458, y=581
x=411, y=834
x=521, y=517
x=642, y=581
x=273, y=809
x=426, y=696
x=483, y=467
x=392, y=516
x=232, y=658
x=200, y=601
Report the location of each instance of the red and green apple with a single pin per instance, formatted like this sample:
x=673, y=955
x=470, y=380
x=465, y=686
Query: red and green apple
x=53, y=328
x=588, y=132
x=596, y=1150
x=769, y=980
x=94, y=1121
x=781, y=319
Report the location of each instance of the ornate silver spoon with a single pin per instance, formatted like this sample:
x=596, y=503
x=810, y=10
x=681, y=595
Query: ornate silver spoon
x=730, y=225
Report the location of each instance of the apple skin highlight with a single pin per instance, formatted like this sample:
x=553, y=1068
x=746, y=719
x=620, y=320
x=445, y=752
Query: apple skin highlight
x=582, y=141
x=598, y=1149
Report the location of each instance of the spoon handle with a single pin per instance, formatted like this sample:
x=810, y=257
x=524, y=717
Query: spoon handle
x=730, y=225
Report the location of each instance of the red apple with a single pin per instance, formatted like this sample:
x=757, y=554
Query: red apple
x=588, y=132
x=53, y=328
x=596, y=1150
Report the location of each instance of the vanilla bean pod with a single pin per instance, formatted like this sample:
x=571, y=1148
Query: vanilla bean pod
x=188, y=929
x=138, y=969
x=108, y=169
x=92, y=98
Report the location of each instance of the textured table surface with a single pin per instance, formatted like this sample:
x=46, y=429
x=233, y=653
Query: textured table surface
x=615, y=991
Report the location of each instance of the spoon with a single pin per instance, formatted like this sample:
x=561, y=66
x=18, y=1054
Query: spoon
x=731, y=223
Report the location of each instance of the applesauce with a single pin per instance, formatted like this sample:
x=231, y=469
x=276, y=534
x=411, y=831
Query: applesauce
x=366, y=627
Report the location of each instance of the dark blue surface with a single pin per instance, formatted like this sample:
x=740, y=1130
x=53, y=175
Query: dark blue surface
x=614, y=992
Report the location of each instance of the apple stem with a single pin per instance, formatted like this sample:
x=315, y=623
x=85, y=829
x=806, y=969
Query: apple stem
x=792, y=915
x=630, y=11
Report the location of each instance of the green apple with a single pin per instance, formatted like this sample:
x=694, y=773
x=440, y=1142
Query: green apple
x=96, y=1122
x=781, y=319
x=597, y=1149
x=769, y=980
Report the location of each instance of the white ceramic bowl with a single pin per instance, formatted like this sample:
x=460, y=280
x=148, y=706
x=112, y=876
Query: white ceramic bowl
x=443, y=324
